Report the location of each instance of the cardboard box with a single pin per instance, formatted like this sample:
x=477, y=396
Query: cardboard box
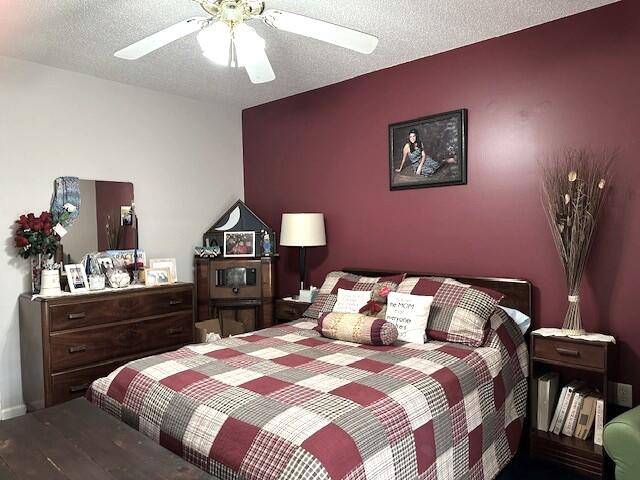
x=208, y=326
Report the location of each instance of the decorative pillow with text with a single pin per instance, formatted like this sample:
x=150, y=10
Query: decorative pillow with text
x=351, y=301
x=410, y=314
x=328, y=294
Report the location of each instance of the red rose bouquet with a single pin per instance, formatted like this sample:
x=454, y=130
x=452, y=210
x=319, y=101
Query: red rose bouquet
x=35, y=236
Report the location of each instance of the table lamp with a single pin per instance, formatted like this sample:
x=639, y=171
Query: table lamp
x=302, y=230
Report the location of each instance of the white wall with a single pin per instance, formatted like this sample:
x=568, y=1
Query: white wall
x=183, y=157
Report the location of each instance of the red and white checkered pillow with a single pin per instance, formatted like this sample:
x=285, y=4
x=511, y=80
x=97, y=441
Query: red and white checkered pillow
x=459, y=313
x=328, y=294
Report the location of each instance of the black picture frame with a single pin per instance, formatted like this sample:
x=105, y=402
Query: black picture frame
x=444, y=137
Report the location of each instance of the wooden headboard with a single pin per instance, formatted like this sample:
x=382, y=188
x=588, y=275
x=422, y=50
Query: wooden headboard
x=517, y=293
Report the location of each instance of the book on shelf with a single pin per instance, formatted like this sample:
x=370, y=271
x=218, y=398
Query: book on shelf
x=574, y=411
x=556, y=414
x=565, y=406
x=586, y=417
x=547, y=392
x=599, y=422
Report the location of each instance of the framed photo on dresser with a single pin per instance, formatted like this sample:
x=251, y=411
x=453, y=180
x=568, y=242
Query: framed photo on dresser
x=429, y=151
x=239, y=244
x=77, y=278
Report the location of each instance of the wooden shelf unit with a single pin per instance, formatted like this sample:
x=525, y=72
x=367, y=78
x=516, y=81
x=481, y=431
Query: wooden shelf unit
x=573, y=359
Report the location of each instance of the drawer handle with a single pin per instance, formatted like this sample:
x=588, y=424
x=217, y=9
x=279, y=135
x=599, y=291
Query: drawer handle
x=567, y=352
x=175, y=331
x=78, y=349
x=79, y=388
x=76, y=316
x=175, y=302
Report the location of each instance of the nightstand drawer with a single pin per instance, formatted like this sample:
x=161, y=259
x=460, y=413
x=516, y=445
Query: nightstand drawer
x=287, y=310
x=567, y=351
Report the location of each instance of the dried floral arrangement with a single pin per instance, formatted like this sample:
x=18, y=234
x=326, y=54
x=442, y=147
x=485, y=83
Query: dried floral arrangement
x=574, y=186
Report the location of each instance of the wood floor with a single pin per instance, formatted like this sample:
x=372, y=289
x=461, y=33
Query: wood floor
x=77, y=441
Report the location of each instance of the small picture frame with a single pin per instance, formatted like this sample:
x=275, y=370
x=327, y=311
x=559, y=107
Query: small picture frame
x=239, y=244
x=126, y=215
x=105, y=264
x=157, y=276
x=169, y=263
x=77, y=278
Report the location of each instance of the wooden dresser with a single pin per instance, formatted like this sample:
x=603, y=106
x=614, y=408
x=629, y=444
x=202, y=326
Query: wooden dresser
x=69, y=341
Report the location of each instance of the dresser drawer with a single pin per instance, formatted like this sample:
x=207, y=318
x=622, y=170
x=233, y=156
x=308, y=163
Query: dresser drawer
x=122, y=306
x=67, y=386
x=287, y=310
x=569, y=352
x=76, y=348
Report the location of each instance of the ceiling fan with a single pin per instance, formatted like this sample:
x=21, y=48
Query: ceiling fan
x=227, y=39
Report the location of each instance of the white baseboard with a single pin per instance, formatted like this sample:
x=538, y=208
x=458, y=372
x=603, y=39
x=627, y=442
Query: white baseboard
x=12, y=412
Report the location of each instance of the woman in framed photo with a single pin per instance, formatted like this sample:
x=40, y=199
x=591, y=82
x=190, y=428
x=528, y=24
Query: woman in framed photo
x=429, y=151
x=414, y=149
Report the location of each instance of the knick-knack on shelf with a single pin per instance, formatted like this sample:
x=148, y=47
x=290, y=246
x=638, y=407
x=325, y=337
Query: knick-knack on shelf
x=266, y=244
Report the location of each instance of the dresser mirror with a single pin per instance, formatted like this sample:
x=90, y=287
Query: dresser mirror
x=104, y=220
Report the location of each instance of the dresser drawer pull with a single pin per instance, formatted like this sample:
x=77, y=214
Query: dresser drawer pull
x=567, y=352
x=79, y=388
x=175, y=331
x=175, y=302
x=76, y=316
x=78, y=349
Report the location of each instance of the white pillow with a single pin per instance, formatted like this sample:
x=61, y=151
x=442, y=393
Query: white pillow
x=522, y=320
x=351, y=301
x=409, y=313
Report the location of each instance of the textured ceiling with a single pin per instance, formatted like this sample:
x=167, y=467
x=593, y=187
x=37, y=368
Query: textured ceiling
x=81, y=35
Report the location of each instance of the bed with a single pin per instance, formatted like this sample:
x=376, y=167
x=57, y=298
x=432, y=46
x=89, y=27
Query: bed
x=287, y=403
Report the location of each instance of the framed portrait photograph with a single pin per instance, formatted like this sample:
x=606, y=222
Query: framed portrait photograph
x=429, y=151
x=157, y=276
x=168, y=263
x=239, y=244
x=77, y=278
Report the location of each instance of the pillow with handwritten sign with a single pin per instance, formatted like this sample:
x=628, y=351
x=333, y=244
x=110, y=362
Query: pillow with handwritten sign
x=410, y=314
x=351, y=301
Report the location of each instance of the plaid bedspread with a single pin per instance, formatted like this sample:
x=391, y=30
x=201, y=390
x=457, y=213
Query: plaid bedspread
x=286, y=403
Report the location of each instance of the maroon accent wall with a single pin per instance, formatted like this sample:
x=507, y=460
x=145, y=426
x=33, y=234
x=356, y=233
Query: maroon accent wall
x=573, y=82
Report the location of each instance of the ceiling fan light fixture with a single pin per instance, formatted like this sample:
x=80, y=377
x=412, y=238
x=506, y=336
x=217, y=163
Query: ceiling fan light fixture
x=215, y=41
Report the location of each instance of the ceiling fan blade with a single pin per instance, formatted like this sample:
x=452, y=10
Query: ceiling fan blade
x=324, y=31
x=259, y=67
x=251, y=55
x=160, y=39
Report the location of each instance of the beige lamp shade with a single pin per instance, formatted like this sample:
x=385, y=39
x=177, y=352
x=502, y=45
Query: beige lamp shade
x=302, y=230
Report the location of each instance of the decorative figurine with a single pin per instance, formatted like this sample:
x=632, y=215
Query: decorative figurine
x=266, y=244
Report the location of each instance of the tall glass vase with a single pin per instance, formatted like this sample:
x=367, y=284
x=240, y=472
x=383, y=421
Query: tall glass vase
x=36, y=272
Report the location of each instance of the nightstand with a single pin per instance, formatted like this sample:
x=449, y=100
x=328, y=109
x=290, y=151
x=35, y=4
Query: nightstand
x=573, y=359
x=288, y=310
